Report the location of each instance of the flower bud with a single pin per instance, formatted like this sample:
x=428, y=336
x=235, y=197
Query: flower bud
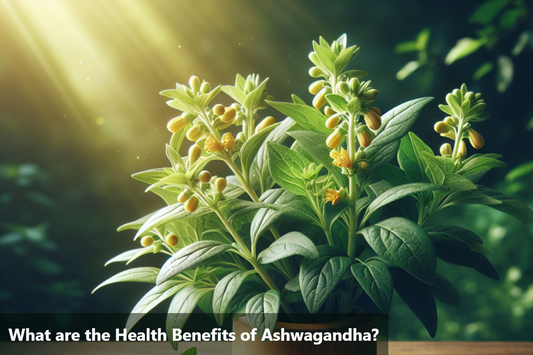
x=363, y=165
x=194, y=133
x=240, y=137
x=229, y=114
x=205, y=88
x=329, y=111
x=334, y=139
x=147, y=241
x=364, y=136
x=376, y=110
x=441, y=127
x=372, y=94
x=176, y=124
x=315, y=72
x=446, y=150
x=221, y=125
x=212, y=145
x=450, y=121
x=470, y=96
x=219, y=109
x=475, y=139
x=194, y=153
x=192, y=204
x=355, y=85
x=204, y=177
x=320, y=99
x=343, y=88
x=172, y=240
x=462, y=149
x=236, y=106
x=315, y=87
x=478, y=96
x=333, y=121
x=194, y=83
x=372, y=119
x=265, y=123
x=183, y=197
x=227, y=141
x=220, y=184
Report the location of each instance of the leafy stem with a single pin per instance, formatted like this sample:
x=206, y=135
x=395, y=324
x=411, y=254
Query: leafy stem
x=352, y=230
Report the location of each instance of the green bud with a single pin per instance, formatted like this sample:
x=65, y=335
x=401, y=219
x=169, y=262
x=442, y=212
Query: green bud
x=205, y=88
x=343, y=88
x=478, y=96
x=313, y=57
x=372, y=94
x=354, y=105
x=355, y=85
x=315, y=72
x=194, y=83
x=470, y=96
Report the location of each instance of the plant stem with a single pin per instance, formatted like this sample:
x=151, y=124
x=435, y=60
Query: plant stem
x=352, y=188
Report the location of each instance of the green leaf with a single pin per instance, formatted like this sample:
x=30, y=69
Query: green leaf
x=315, y=144
x=190, y=351
x=319, y=277
x=406, y=47
x=177, y=137
x=254, y=98
x=480, y=163
x=354, y=73
x=376, y=280
x=181, y=307
x=190, y=257
x=396, y=124
x=483, y=70
x=128, y=255
x=520, y=171
x=445, y=291
x=262, y=311
x=399, y=192
x=174, y=158
x=423, y=38
x=504, y=72
x=225, y=290
x=521, y=43
x=509, y=205
x=337, y=102
x=282, y=161
x=459, y=233
x=292, y=243
x=393, y=175
x=291, y=206
x=250, y=148
x=464, y=47
x=456, y=252
x=418, y=297
x=294, y=284
x=151, y=176
x=326, y=56
x=510, y=18
x=154, y=297
x=307, y=117
x=168, y=214
x=235, y=93
x=135, y=224
x=344, y=58
x=178, y=179
x=487, y=11
x=332, y=213
x=438, y=167
x=138, y=274
x=406, y=244
x=409, y=162
x=474, y=197
x=408, y=69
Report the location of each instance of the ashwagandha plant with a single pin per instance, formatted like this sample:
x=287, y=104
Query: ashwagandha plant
x=326, y=225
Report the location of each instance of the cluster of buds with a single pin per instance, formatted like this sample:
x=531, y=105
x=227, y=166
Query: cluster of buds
x=463, y=107
x=207, y=183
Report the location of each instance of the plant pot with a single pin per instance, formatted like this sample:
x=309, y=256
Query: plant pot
x=363, y=323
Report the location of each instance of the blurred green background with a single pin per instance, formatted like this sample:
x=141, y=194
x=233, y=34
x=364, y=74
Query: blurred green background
x=80, y=112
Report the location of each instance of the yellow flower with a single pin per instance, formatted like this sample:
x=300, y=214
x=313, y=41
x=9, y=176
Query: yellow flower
x=333, y=196
x=341, y=159
x=212, y=145
x=227, y=141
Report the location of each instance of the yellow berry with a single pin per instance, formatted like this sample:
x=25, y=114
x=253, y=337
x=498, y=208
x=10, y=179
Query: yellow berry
x=320, y=99
x=363, y=165
x=372, y=119
x=450, y=121
x=315, y=72
x=192, y=204
x=376, y=110
x=176, y=124
x=219, y=109
x=315, y=87
x=194, y=153
x=172, y=240
x=220, y=184
x=364, y=137
x=268, y=121
x=441, y=127
x=147, y=241
x=333, y=121
x=328, y=111
x=462, y=149
x=475, y=139
x=183, y=197
x=334, y=139
x=194, y=133
x=229, y=114
x=205, y=176
x=446, y=150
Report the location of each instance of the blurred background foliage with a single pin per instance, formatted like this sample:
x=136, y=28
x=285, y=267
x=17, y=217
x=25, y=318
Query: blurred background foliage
x=80, y=112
